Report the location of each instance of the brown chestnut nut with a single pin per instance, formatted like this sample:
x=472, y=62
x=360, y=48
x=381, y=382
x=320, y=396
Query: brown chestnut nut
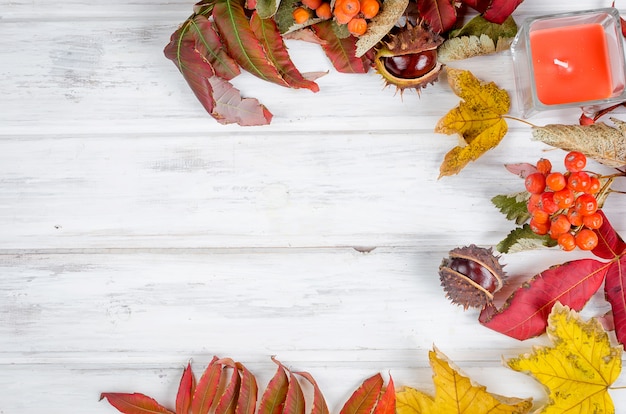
x=471, y=275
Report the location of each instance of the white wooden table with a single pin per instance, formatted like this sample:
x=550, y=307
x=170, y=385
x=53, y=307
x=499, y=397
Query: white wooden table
x=138, y=234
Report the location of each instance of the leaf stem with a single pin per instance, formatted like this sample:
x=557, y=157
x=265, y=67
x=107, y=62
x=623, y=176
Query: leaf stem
x=520, y=120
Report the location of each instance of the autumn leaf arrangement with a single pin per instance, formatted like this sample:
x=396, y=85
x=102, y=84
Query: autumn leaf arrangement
x=223, y=37
x=577, y=371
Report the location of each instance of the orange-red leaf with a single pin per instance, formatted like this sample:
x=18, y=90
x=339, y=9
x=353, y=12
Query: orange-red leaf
x=364, y=399
x=273, y=399
x=340, y=51
x=267, y=32
x=228, y=400
x=387, y=402
x=206, y=389
x=134, y=403
x=241, y=43
x=185, y=391
x=246, y=402
x=294, y=403
x=439, y=14
x=319, y=402
x=209, y=45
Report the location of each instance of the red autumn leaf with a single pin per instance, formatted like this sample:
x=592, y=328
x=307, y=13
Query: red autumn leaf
x=134, y=403
x=246, y=401
x=294, y=402
x=319, y=403
x=185, y=391
x=218, y=97
x=364, y=399
x=209, y=45
x=525, y=313
x=241, y=43
x=615, y=293
x=387, y=402
x=340, y=51
x=273, y=399
x=228, y=400
x=610, y=244
x=267, y=32
x=495, y=11
x=206, y=389
x=439, y=14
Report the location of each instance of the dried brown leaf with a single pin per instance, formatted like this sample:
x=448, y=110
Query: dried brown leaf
x=599, y=141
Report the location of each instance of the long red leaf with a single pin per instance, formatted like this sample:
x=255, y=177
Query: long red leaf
x=387, y=402
x=273, y=399
x=267, y=32
x=185, y=391
x=209, y=45
x=241, y=43
x=340, y=51
x=246, y=402
x=439, y=14
x=182, y=51
x=610, y=244
x=134, y=403
x=615, y=292
x=228, y=400
x=319, y=402
x=294, y=403
x=206, y=390
x=364, y=399
x=525, y=313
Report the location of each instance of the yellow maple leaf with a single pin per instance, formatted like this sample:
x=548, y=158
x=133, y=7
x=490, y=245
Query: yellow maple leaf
x=578, y=369
x=455, y=393
x=478, y=119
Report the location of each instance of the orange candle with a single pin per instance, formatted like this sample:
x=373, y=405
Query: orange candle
x=571, y=64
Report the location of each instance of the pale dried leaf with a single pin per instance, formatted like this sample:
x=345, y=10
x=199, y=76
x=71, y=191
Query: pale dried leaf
x=464, y=47
x=380, y=25
x=599, y=141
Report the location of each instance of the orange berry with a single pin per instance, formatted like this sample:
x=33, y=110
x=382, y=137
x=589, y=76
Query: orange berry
x=357, y=26
x=559, y=225
x=544, y=166
x=586, y=239
x=301, y=15
x=341, y=17
x=593, y=221
x=323, y=11
x=567, y=242
x=312, y=4
x=369, y=8
x=556, y=181
x=347, y=7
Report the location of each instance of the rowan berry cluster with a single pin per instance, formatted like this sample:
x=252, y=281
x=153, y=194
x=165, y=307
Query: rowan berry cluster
x=564, y=205
x=353, y=13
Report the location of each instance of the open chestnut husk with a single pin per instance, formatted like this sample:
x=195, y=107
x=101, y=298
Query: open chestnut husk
x=471, y=275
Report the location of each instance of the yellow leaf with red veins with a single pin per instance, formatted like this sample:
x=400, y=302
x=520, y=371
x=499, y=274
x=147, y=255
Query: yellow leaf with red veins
x=455, y=393
x=478, y=119
x=578, y=369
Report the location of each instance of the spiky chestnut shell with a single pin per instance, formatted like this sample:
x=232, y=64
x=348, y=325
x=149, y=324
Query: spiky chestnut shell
x=471, y=275
x=408, y=58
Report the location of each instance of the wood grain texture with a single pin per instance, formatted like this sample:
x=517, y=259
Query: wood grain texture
x=137, y=233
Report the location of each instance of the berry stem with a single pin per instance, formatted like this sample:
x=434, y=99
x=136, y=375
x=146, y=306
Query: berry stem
x=519, y=120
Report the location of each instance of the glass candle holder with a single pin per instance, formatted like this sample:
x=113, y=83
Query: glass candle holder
x=569, y=60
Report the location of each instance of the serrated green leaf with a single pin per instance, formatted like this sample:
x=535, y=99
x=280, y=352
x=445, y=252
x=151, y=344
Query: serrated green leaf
x=514, y=206
x=522, y=239
x=479, y=25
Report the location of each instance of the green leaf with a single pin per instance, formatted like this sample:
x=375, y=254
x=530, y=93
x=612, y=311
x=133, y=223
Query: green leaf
x=522, y=239
x=241, y=43
x=479, y=25
x=514, y=206
x=267, y=32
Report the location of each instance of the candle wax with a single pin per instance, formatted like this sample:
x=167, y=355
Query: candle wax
x=571, y=64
